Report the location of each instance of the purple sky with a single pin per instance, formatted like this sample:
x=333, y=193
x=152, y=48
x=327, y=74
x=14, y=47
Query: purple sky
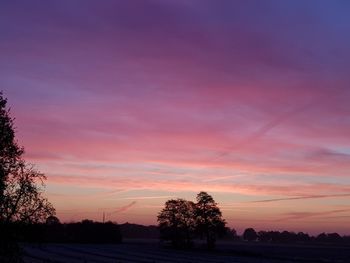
x=125, y=104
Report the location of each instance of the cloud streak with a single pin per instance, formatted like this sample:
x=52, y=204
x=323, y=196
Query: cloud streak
x=288, y=189
x=303, y=215
x=301, y=198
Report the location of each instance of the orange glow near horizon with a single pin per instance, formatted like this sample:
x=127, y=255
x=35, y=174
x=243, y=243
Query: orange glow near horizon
x=125, y=106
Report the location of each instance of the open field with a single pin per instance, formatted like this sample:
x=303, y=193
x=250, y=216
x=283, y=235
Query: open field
x=152, y=251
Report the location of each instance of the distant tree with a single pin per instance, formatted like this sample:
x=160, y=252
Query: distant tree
x=275, y=236
x=329, y=238
x=230, y=234
x=53, y=230
x=233, y=233
x=250, y=234
x=209, y=221
x=334, y=238
x=176, y=222
x=288, y=237
x=88, y=231
x=52, y=220
x=87, y=222
x=321, y=237
x=21, y=186
x=303, y=237
x=264, y=236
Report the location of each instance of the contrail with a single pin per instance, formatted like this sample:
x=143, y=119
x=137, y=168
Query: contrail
x=262, y=131
x=302, y=215
x=123, y=208
x=266, y=128
x=149, y=197
x=300, y=198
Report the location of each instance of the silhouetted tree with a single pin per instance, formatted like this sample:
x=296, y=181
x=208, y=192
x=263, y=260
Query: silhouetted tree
x=303, y=237
x=233, y=233
x=230, y=234
x=176, y=222
x=139, y=231
x=329, y=238
x=86, y=231
x=334, y=238
x=250, y=235
x=10, y=152
x=322, y=237
x=264, y=236
x=23, y=200
x=21, y=186
x=52, y=220
x=209, y=221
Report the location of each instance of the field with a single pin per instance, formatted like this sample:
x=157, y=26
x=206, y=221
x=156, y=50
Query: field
x=153, y=251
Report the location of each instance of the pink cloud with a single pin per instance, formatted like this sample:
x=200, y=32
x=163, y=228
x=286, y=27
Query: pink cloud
x=181, y=96
x=289, y=189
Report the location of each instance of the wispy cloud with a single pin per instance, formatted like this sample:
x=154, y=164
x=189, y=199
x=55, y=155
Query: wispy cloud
x=302, y=215
x=300, y=198
x=289, y=188
x=148, y=197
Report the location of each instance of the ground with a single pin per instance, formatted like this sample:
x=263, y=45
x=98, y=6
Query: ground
x=154, y=252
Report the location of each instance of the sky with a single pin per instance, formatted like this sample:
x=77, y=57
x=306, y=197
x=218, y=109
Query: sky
x=126, y=104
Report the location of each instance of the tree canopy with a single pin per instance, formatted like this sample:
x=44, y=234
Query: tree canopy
x=181, y=220
x=176, y=222
x=10, y=152
x=208, y=218
x=21, y=187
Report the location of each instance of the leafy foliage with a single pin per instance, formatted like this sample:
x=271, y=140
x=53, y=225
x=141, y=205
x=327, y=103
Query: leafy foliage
x=177, y=222
x=21, y=187
x=208, y=218
x=23, y=201
x=10, y=152
x=181, y=220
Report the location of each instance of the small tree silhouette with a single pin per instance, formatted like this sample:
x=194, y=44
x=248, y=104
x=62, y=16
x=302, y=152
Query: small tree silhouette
x=250, y=234
x=209, y=221
x=52, y=220
x=176, y=222
x=180, y=220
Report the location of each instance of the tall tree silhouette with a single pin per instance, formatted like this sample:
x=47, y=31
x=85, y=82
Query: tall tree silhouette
x=177, y=223
x=209, y=219
x=21, y=186
x=10, y=152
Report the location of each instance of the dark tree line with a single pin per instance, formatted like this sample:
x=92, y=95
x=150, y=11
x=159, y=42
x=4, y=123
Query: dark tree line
x=86, y=231
x=139, y=231
x=181, y=221
x=251, y=235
